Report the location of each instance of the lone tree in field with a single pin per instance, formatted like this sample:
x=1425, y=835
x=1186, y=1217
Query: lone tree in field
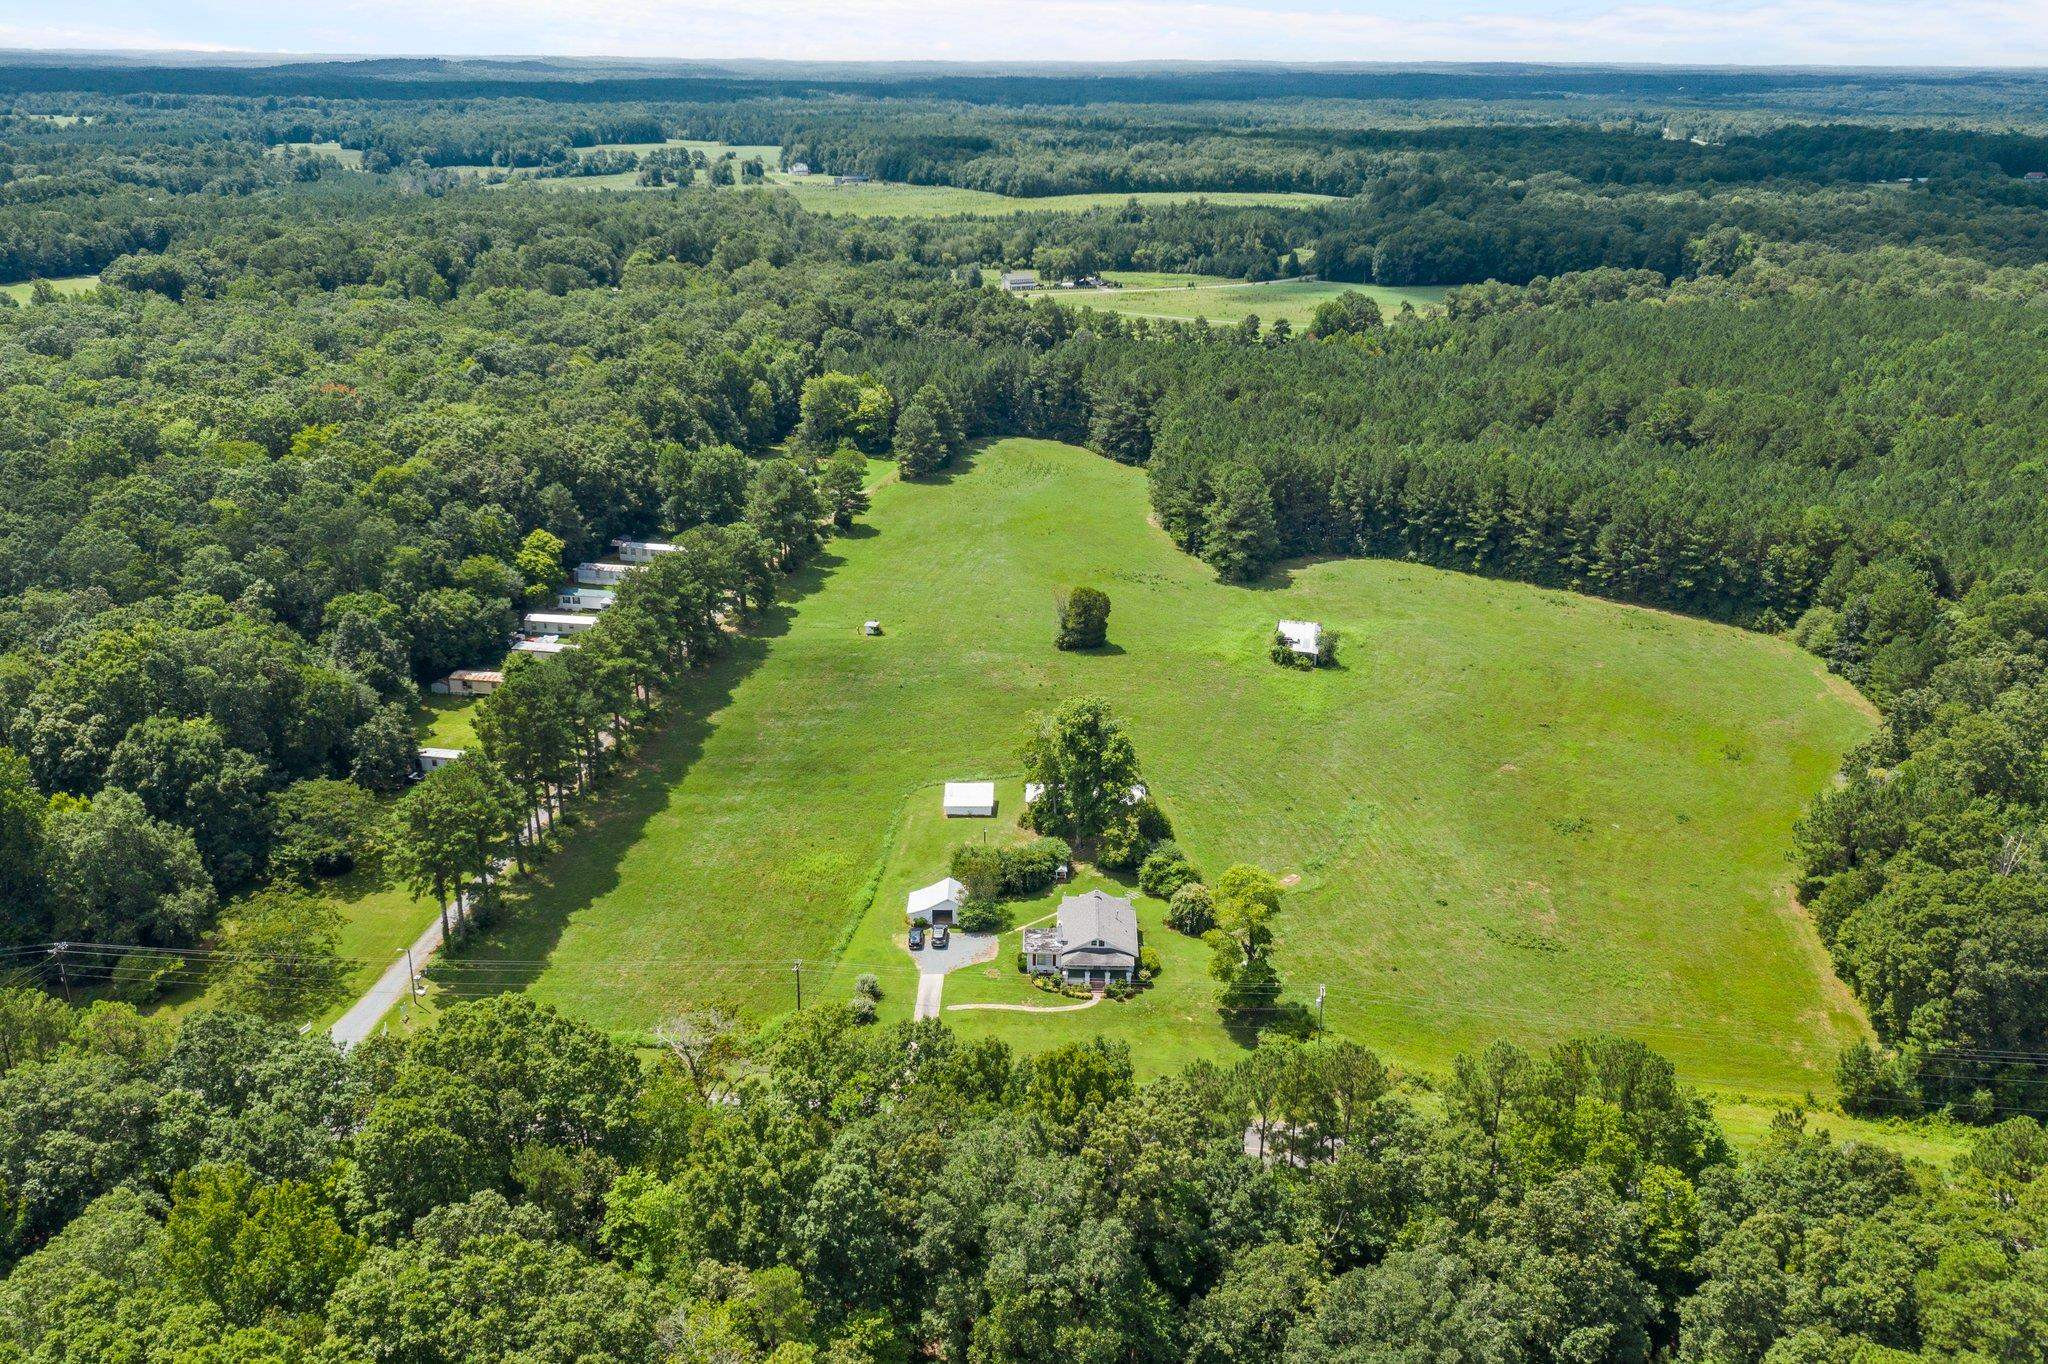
x=1087, y=765
x=1084, y=619
x=1245, y=900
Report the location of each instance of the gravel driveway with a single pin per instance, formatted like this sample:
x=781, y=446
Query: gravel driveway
x=965, y=949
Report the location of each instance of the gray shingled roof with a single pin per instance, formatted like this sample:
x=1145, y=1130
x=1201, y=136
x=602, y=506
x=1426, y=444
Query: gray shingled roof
x=1096, y=917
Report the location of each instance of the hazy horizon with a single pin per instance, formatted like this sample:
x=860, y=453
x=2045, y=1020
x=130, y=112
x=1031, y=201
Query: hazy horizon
x=1747, y=33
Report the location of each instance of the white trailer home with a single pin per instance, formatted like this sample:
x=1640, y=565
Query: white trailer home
x=555, y=623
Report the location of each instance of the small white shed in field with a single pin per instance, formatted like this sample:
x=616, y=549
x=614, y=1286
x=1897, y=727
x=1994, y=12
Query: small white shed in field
x=427, y=759
x=936, y=903
x=966, y=798
x=873, y=627
x=1302, y=636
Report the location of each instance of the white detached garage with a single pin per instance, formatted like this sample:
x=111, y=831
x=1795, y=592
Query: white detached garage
x=970, y=798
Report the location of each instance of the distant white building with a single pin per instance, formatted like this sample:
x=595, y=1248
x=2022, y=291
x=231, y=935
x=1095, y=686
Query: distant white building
x=936, y=903
x=603, y=572
x=556, y=623
x=541, y=644
x=1019, y=281
x=873, y=627
x=1302, y=636
x=469, y=682
x=799, y=168
x=641, y=551
x=970, y=799
x=427, y=759
x=583, y=597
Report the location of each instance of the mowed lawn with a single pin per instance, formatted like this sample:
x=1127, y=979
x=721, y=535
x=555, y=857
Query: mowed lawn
x=1201, y=298
x=1512, y=812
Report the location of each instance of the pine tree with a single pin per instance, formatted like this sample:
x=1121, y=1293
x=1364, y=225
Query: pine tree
x=1238, y=536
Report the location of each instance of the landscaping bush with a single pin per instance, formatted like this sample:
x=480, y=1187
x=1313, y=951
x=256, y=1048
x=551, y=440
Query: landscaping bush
x=982, y=916
x=867, y=986
x=1084, y=619
x=1165, y=871
x=1192, y=910
x=862, y=1008
x=1148, y=963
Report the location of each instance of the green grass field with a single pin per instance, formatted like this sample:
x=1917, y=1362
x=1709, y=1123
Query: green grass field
x=1193, y=297
x=1512, y=811
x=349, y=157
x=818, y=194
x=69, y=284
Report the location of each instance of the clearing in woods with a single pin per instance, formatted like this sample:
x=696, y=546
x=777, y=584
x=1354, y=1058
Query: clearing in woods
x=1204, y=297
x=1512, y=812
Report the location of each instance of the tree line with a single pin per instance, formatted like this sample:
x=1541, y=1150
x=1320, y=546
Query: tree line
x=506, y=1183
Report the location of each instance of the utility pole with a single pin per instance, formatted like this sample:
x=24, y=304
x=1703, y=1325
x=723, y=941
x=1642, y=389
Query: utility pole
x=797, y=968
x=1321, y=990
x=63, y=976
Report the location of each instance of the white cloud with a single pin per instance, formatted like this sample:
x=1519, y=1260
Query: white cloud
x=1874, y=32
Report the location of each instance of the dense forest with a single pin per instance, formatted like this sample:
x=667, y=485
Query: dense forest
x=322, y=433
x=511, y=1185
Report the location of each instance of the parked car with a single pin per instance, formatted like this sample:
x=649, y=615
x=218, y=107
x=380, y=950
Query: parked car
x=941, y=936
x=917, y=937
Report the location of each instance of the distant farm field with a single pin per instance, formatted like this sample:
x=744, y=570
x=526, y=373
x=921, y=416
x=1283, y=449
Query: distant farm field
x=348, y=157
x=1207, y=299
x=69, y=284
x=1510, y=811
x=885, y=199
x=819, y=195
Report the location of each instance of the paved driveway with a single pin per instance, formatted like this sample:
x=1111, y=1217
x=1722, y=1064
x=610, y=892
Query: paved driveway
x=966, y=949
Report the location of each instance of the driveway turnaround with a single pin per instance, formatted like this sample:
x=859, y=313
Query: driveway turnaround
x=966, y=949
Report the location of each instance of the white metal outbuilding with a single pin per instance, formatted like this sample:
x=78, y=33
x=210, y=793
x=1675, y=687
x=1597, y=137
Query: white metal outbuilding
x=970, y=798
x=1302, y=636
x=935, y=903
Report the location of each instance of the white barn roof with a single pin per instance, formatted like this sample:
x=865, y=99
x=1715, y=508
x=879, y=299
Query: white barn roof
x=970, y=798
x=1302, y=636
x=946, y=894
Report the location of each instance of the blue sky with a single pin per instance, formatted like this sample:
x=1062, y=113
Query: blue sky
x=1855, y=32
